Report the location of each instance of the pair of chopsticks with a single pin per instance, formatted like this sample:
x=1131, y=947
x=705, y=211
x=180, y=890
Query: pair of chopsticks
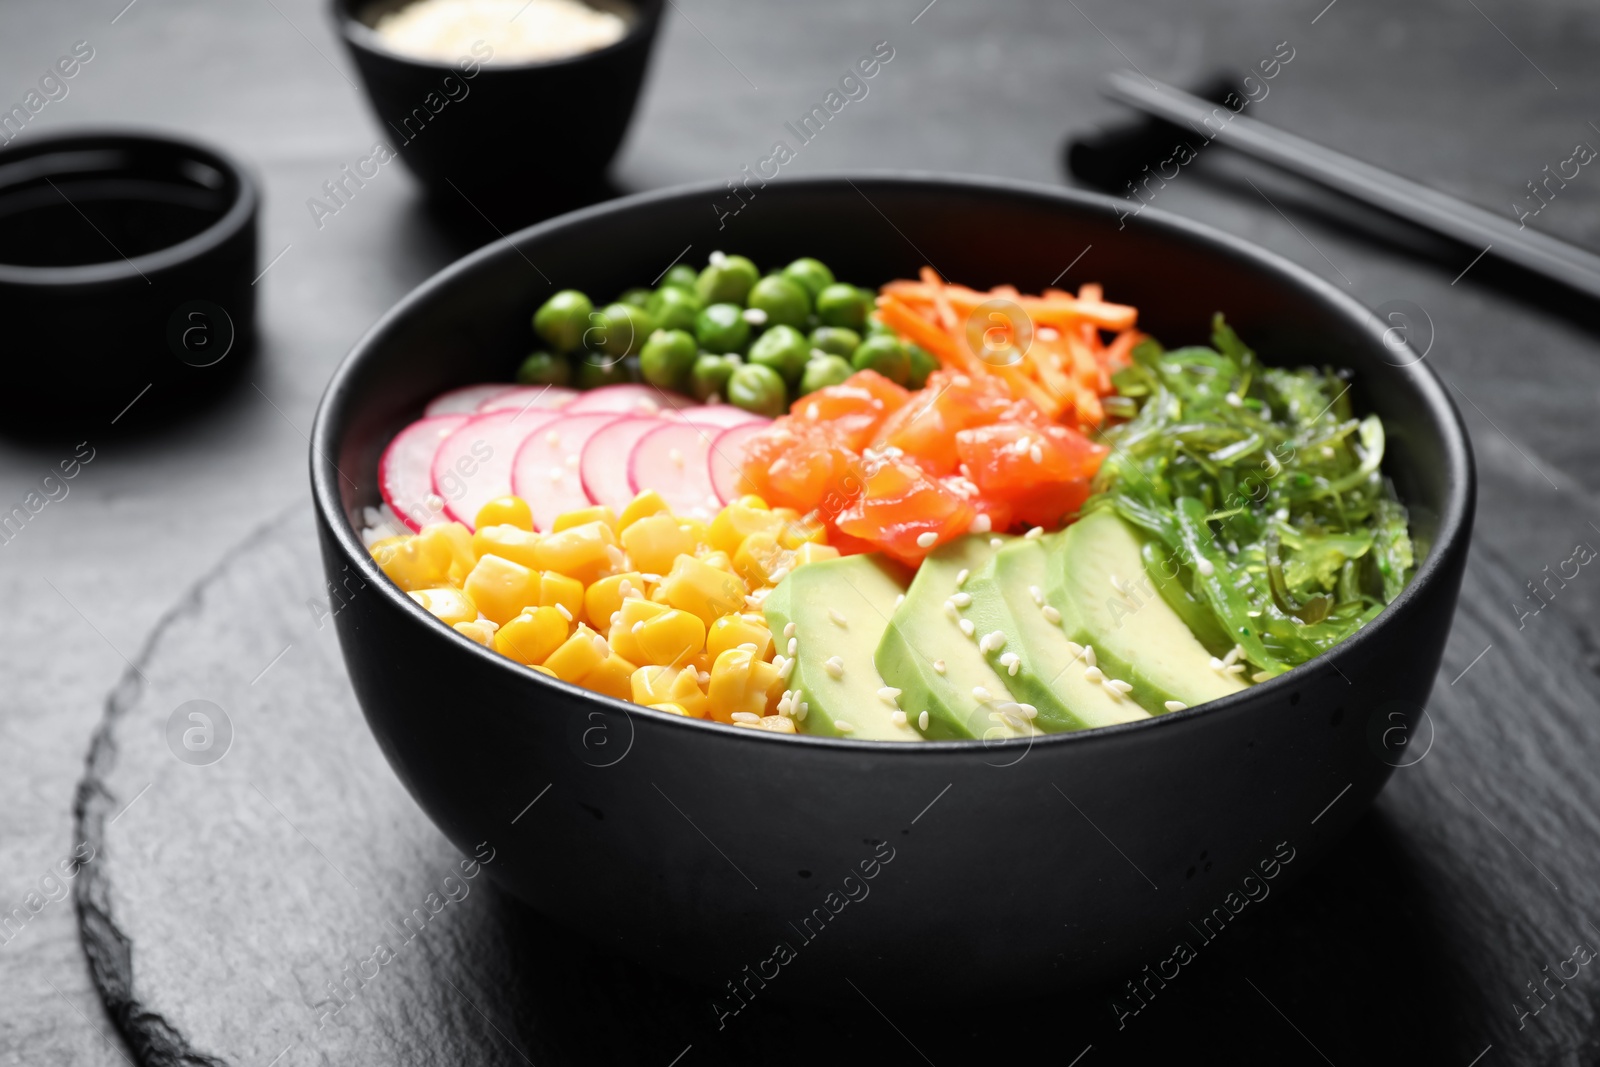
x=1499, y=236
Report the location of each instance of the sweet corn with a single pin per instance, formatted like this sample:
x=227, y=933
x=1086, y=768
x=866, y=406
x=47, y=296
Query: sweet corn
x=673, y=637
x=532, y=636
x=738, y=521
x=505, y=511
x=613, y=677
x=481, y=632
x=646, y=503
x=670, y=709
x=810, y=552
x=760, y=557
x=598, y=513
x=559, y=591
x=542, y=670
x=669, y=685
x=635, y=612
x=702, y=589
x=580, y=551
x=739, y=682
x=578, y=655
x=799, y=529
x=654, y=542
x=751, y=500
x=453, y=540
x=507, y=542
x=412, y=563
x=501, y=588
x=731, y=631
x=604, y=597
x=446, y=603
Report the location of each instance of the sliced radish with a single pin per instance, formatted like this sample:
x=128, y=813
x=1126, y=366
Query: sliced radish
x=473, y=464
x=531, y=397
x=545, y=472
x=604, y=466
x=671, y=459
x=465, y=400
x=628, y=400
x=715, y=418
x=405, y=470
x=727, y=453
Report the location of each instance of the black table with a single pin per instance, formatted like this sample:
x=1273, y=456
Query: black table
x=1477, y=868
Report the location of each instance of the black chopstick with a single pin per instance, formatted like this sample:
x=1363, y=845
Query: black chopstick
x=1497, y=235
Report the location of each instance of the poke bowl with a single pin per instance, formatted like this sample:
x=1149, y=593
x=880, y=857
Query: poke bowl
x=1089, y=634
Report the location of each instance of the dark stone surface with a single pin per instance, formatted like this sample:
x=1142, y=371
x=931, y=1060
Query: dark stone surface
x=1418, y=937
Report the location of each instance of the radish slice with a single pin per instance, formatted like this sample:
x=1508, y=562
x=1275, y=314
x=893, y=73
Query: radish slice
x=604, y=466
x=465, y=400
x=473, y=464
x=405, y=470
x=714, y=418
x=545, y=472
x=531, y=397
x=671, y=459
x=628, y=400
x=727, y=453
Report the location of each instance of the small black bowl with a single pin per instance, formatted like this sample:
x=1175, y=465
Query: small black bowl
x=126, y=263
x=955, y=868
x=505, y=136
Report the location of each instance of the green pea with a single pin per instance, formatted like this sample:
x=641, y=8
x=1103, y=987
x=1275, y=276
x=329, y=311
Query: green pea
x=758, y=389
x=639, y=298
x=810, y=274
x=619, y=329
x=597, y=369
x=823, y=371
x=886, y=355
x=843, y=305
x=673, y=308
x=709, y=375
x=784, y=349
x=542, y=368
x=922, y=365
x=785, y=303
x=666, y=358
x=722, y=328
x=680, y=276
x=562, y=320
x=726, y=281
x=836, y=340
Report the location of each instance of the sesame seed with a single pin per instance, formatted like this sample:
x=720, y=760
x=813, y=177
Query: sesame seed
x=927, y=540
x=1050, y=614
x=716, y=259
x=837, y=619
x=961, y=577
x=981, y=524
x=1012, y=663
x=565, y=614
x=898, y=718
x=676, y=456
x=961, y=600
x=602, y=646
x=778, y=575
x=704, y=678
x=996, y=639
x=1111, y=691
x=938, y=666
x=1093, y=674
x=889, y=694
x=1034, y=534
x=745, y=716
x=1233, y=655
x=813, y=412
x=788, y=631
x=1036, y=454
x=1119, y=685
x=967, y=627
x=922, y=721
x=950, y=608
x=1260, y=676
x=1029, y=710
x=655, y=578
x=980, y=693
x=794, y=642
x=786, y=670
x=553, y=439
x=1233, y=399
x=1176, y=705
x=1074, y=649
x=635, y=628
x=747, y=646
x=1205, y=568
x=624, y=587
x=834, y=666
x=616, y=618
x=1088, y=655
x=1253, y=614
x=843, y=727
x=1037, y=594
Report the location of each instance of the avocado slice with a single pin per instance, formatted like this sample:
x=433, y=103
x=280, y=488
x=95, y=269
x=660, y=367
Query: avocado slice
x=860, y=590
x=1048, y=672
x=936, y=666
x=1136, y=635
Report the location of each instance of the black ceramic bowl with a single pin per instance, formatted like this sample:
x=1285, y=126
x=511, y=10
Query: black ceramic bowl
x=498, y=131
x=957, y=867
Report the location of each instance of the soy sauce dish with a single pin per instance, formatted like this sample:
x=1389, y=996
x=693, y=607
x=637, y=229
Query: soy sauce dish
x=903, y=583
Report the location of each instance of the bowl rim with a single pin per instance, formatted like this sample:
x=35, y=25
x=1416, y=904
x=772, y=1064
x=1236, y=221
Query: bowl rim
x=357, y=34
x=1454, y=519
x=224, y=228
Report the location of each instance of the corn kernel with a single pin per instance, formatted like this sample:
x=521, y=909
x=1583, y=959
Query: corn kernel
x=480, y=632
x=532, y=636
x=731, y=631
x=505, y=511
x=612, y=677
x=557, y=589
x=799, y=529
x=670, y=709
x=446, y=603
x=669, y=685
x=646, y=503
x=635, y=611
x=507, y=542
x=543, y=670
x=412, y=563
x=750, y=500
x=501, y=588
x=738, y=521
x=739, y=682
x=454, y=540
x=579, y=551
x=697, y=530
x=702, y=589
x=655, y=541
x=673, y=637
x=583, y=516
x=577, y=656
x=606, y=596
x=760, y=557
x=811, y=552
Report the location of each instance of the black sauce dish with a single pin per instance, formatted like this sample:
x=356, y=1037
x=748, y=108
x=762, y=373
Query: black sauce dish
x=953, y=868
x=508, y=138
